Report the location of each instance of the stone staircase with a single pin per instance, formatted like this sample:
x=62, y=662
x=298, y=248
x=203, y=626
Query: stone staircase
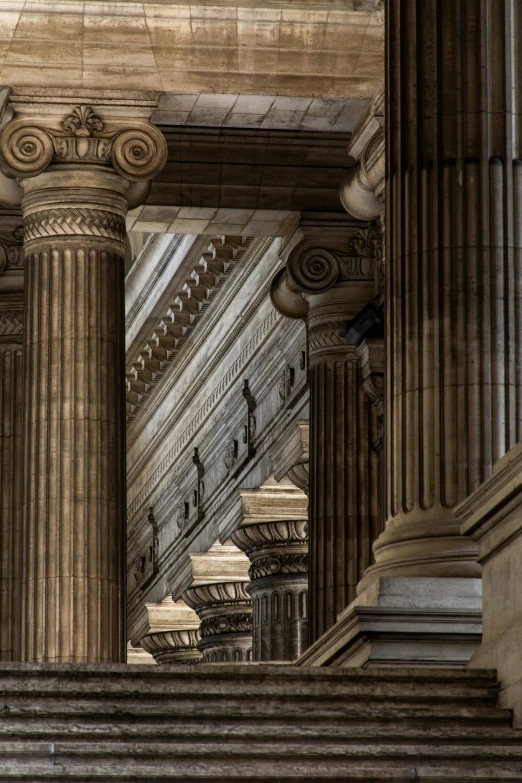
x=224, y=722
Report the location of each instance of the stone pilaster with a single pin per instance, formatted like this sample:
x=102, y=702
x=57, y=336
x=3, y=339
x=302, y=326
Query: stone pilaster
x=328, y=280
x=11, y=415
x=218, y=595
x=278, y=552
x=77, y=182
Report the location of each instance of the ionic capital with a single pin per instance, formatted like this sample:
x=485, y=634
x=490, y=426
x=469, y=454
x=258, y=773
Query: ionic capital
x=362, y=191
x=136, y=151
x=313, y=268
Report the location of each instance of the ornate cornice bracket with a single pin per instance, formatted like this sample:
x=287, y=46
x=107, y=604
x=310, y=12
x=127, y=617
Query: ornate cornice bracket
x=136, y=152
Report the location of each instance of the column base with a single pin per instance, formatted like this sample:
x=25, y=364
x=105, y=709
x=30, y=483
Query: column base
x=405, y=621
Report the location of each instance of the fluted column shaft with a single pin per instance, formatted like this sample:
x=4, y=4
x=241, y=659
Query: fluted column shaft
x=74, y=439
x=344, y=472
x=454, y=274
x=79, y=174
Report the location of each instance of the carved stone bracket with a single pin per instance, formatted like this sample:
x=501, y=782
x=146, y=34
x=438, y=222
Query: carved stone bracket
x=240, y=447
x=146, y=564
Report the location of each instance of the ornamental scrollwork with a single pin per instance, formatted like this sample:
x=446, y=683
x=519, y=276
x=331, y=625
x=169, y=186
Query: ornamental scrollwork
x=137, y=153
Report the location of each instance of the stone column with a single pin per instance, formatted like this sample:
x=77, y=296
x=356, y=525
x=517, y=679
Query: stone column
x=453, y=385
x=278, y=552
x=330, y=278
x=273, y=535
x=218, y=595
x=454, y=276
x=77, y=186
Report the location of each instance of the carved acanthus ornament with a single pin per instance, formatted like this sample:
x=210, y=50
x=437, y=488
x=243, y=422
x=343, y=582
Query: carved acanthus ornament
x=179, y=646
x=274, y=548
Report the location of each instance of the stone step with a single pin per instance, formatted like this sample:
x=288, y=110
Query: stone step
x=400, y=686
x=252, y=722
x=129, y=730
x=288, y=771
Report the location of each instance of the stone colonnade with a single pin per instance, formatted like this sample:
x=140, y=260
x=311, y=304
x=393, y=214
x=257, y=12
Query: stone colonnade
x=79, y=176
x=241, y=607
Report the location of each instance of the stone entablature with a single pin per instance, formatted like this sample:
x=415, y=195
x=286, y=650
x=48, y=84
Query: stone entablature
x=332, y=51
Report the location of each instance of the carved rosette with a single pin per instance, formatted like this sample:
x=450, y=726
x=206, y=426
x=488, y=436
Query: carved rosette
x=225, y=611
x=179, y=646
x=278, y=552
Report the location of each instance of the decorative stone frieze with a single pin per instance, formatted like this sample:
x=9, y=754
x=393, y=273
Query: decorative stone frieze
x=329, y=279
x=218, y=595
x=278, y=552
x=79, y=174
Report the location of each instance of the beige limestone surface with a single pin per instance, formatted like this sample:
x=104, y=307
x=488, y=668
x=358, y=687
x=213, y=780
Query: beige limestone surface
x=327, y=48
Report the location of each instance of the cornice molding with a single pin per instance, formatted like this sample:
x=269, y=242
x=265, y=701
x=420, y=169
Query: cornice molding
x=251, y=257
x=174, y=326
x=154, y=277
